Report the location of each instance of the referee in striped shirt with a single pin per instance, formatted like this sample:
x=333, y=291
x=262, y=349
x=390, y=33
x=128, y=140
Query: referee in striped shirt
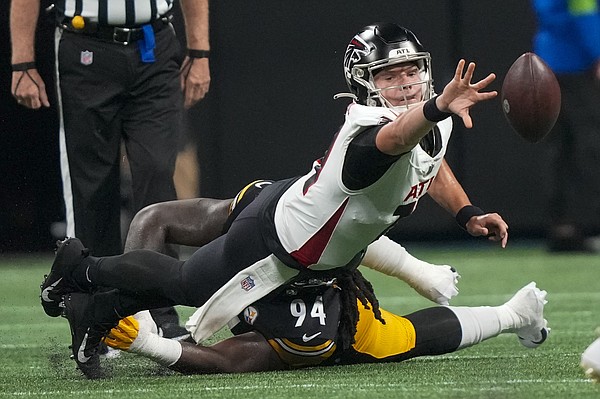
x=119, y=77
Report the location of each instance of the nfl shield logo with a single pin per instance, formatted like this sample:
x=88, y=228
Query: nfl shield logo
x=247, y=283
x=86, y=58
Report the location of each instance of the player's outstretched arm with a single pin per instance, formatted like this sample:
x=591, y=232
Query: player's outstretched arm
x=229, y=356
x=458, y=97
x=138, y=334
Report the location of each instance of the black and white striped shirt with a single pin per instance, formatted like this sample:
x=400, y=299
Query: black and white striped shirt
x=115, y=12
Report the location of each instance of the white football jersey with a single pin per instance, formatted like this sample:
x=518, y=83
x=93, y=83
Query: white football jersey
x=323, y=224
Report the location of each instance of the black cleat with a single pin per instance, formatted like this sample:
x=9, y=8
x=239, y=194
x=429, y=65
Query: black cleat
x=69, y=253
x=173, y=331
x=85, y=336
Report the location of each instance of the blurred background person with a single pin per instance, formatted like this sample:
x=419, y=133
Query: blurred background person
x=568, y=39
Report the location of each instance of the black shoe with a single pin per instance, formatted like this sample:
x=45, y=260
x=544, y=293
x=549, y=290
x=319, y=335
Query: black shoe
x=69, y=253
x=167, y=321
x=173, y=331
x=85, y=335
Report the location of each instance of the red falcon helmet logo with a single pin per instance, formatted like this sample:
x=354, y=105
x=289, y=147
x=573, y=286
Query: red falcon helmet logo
x=357, y=49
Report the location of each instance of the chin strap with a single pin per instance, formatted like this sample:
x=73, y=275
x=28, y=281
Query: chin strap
x=345, y=95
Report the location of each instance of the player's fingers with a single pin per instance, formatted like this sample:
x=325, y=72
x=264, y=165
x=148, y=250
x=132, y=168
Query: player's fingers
x=29, y=90
x=128, y=321
x=466, y=118
x=34, y=103
x=183, y=73
x=487, y=96
x=469, y=73
x=182, y=82
x=484, y=82
x=117, y=343
x=117, y=334
x=130, y=326
x=504, y=240
x=44, y=98
x=459, y=69
x=477, y=229
x=27, y=101
x=194, y=94
x=198, y=92
x=189, y=99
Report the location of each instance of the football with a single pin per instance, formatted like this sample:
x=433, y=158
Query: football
x=530, y=97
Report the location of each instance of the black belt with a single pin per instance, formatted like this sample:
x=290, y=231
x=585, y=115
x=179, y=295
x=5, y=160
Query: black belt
x=116, y=34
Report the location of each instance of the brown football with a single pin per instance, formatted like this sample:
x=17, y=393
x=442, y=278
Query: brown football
x=530, y=97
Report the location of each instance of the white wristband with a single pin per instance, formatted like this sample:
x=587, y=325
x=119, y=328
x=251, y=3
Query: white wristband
x=162, y=350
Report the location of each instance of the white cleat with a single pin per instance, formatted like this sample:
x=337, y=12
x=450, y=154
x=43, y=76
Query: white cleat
x=528, y=303
x=590, y=361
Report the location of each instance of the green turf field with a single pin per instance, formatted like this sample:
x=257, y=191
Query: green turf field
x=34, y=354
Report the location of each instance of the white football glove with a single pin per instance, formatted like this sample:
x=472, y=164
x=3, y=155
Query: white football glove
x=435, y=282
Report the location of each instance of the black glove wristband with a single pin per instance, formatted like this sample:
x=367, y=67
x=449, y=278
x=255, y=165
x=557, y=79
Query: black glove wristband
x=23, y=66
x=432, y=113
x=466, y=213
x=198, y=53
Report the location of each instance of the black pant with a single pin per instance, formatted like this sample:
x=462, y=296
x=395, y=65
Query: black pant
x=145, y=279
x=107, y=94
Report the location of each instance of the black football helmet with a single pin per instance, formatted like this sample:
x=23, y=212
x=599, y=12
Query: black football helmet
x=378, y=46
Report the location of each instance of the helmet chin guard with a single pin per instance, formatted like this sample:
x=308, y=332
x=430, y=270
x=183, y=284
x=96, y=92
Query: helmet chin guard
x=379, y=46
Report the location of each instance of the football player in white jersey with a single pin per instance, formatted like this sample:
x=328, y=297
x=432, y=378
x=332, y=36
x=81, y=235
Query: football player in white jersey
x=388, y=154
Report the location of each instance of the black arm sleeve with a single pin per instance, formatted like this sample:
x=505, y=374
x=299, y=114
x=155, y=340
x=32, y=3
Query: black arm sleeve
x=364, y=163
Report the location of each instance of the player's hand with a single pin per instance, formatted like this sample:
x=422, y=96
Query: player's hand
x=490, y=225
x=460, y=94
x=438, y=283
x=28, y=89
x=195, y=80
x=122, y=336
x=132, y=332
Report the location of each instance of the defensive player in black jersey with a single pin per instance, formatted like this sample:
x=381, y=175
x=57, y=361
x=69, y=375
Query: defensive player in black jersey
x=322, y=319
